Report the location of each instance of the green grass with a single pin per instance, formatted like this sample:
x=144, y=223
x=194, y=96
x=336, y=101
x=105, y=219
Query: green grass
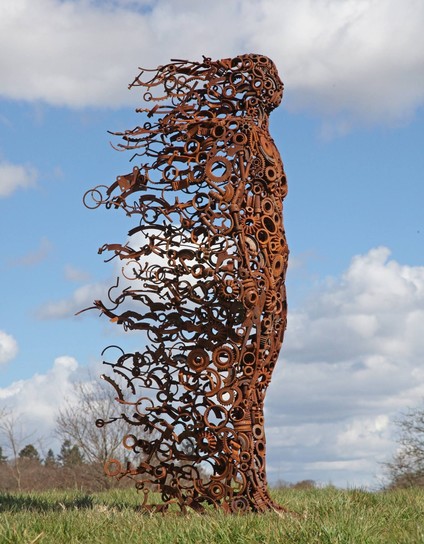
x=326, y=516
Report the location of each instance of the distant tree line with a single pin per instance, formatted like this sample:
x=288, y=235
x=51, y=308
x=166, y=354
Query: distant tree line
x=66, y=470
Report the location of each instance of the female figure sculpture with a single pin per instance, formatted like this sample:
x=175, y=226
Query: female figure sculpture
x=207, y=281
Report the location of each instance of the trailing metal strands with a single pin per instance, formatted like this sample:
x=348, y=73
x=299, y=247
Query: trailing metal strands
x=208, y=194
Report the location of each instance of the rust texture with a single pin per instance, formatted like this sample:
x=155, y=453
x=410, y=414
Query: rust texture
x=204, y=279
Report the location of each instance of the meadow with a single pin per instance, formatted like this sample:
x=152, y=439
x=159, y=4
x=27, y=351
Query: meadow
x=327, y=515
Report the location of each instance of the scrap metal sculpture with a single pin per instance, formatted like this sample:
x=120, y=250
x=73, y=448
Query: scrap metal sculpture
x=206, y=281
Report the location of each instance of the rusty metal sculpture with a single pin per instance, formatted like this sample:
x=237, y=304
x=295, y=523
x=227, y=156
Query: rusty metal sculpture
x=206, y=270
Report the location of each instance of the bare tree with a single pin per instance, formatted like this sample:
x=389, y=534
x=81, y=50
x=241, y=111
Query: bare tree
x=3, y=458
x=406, y=469
x=81, y=422
x=13, y=435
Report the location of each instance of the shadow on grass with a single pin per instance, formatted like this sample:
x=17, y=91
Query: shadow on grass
x=10, y=502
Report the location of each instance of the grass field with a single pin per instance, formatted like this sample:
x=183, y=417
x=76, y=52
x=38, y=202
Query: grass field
x=326, y=516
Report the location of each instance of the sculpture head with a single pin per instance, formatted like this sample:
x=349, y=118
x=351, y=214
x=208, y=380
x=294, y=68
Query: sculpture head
x=252, y=76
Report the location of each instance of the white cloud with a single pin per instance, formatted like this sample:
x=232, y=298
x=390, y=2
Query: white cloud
x=361, y=59
x=75, y=274
x=352, y=361
x=36, y=256
x=81, y=298
x=37, y=399
x=84, y=296
x=8, y=347
x=15, y=176
x=374, y=309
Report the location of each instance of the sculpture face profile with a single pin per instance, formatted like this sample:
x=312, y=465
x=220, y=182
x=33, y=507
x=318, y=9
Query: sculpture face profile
x=205, y=265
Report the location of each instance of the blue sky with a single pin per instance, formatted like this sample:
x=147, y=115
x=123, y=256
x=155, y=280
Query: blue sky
x=350, y=132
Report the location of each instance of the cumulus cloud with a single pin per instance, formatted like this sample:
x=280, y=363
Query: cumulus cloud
x=15, y=176
x=374, y=309
x=352, y=360
x=358, y=59
x=37, y=400
x=8, y=347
